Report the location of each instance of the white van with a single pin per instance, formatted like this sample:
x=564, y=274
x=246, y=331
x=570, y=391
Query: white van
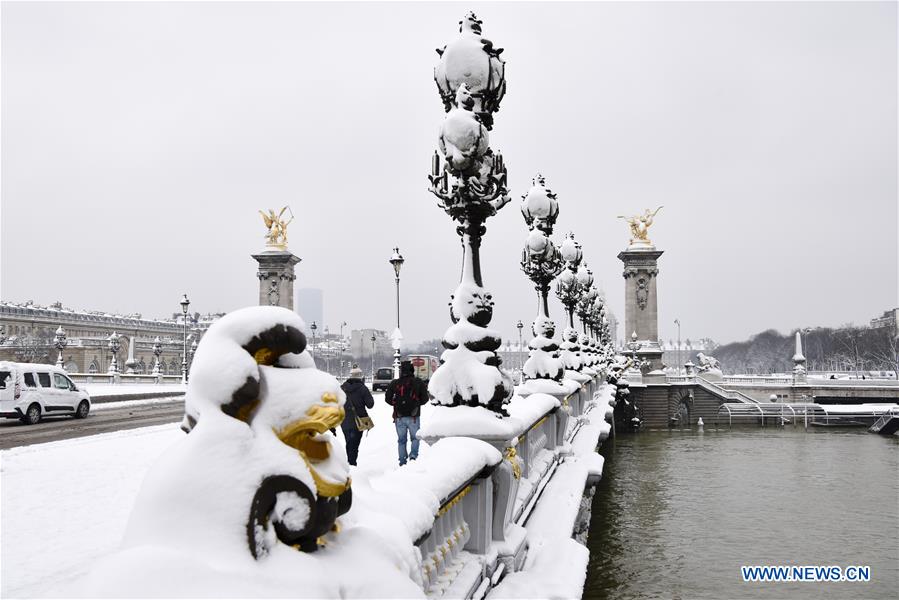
x=29, y=390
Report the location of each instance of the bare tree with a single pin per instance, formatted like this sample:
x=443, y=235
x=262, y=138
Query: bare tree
x=883, y=348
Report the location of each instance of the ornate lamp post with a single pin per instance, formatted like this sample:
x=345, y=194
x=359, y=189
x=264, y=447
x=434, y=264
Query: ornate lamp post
x=185, y=304
x=568, y=288
x=541, y=262
x=469, y=180
x=113, y=343
x=60, y=342
x=397, y=261
x=157, y=350
x=313, y=327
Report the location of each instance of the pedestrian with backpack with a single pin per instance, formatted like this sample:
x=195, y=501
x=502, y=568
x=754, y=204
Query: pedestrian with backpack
x=406, y=395
x=356, y=419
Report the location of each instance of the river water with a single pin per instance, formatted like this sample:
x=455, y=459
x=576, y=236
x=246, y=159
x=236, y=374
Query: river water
x=678, y=513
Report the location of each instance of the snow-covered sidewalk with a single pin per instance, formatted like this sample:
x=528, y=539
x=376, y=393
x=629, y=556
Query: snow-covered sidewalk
x=66, y=504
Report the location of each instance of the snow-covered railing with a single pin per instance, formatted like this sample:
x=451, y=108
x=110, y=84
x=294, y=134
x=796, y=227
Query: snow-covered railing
x=124, y=378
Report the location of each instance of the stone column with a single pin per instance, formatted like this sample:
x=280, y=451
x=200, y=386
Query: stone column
x=276, y=277
x=640, y=300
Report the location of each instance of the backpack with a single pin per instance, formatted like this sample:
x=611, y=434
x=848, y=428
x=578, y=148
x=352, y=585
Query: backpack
x=406, y=398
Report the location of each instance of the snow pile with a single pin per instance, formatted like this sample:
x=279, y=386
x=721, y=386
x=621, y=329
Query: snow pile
x=412, y=495
x=222, y=511
x=463, y=139
x=570, y=351
x=543, y=361
x=470, y=373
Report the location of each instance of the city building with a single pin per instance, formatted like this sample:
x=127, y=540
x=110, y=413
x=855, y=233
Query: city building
x=889, y=318
x=28, y=330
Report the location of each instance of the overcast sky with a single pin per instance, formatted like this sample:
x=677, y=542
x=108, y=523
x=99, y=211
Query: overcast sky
x=139, y=141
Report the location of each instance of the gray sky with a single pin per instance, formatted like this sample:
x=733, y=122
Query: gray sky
x=139, y=140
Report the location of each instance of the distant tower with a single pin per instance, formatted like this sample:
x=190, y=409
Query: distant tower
x=799, y=372
x=276, y=263
x=641, y=268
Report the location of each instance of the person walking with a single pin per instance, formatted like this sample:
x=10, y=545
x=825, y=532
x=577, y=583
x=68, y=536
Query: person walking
x=406, y=395
x=358, y=400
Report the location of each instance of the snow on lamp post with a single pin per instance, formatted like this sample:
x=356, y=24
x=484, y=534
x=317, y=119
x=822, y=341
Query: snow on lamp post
x=60, y=342
x=469, y=180
x=397, y=261
x=113, y=343
x=542, y=262
x=185, y=304
x=157, y=351
x=568, y=291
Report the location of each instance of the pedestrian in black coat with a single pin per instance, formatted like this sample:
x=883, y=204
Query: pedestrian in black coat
x=358, y=400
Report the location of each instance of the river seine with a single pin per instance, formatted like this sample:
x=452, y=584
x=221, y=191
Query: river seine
x=678, y=513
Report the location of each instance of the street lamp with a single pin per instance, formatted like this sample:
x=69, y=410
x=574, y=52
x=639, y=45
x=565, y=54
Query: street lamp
x=113, y=345
x=397, y=261
x=185, y=303
x=313, y=327
x=157, y=350
x=542, y=262
x=372, y=359
x=59, y=341
x=341, y=347
x=328, y=347
x=677, y=354
x=520, y=326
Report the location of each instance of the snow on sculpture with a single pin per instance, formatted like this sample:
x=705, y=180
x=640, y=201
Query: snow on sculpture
x=259, y=457
x=707, y=363
x=469, y=179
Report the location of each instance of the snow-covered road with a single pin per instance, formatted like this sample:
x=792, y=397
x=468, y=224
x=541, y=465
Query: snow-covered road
x=64, y=504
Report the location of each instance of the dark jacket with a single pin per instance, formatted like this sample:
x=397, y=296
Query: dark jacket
x=411, y=380
x=358, y=399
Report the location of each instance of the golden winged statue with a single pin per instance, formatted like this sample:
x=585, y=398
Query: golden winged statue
x=277, y=227
x=640, y=225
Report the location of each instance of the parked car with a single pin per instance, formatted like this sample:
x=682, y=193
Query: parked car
x=28, y=391
x=383, y=376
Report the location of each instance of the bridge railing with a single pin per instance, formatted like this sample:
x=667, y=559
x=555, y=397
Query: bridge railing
x=124, y=378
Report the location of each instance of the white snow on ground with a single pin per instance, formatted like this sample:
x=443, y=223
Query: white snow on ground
x=101, y=406
x=126, y=389
x=859, y=409
x=66, y=504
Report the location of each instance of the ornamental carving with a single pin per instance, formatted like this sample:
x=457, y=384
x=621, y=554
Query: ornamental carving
x=642, y=292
